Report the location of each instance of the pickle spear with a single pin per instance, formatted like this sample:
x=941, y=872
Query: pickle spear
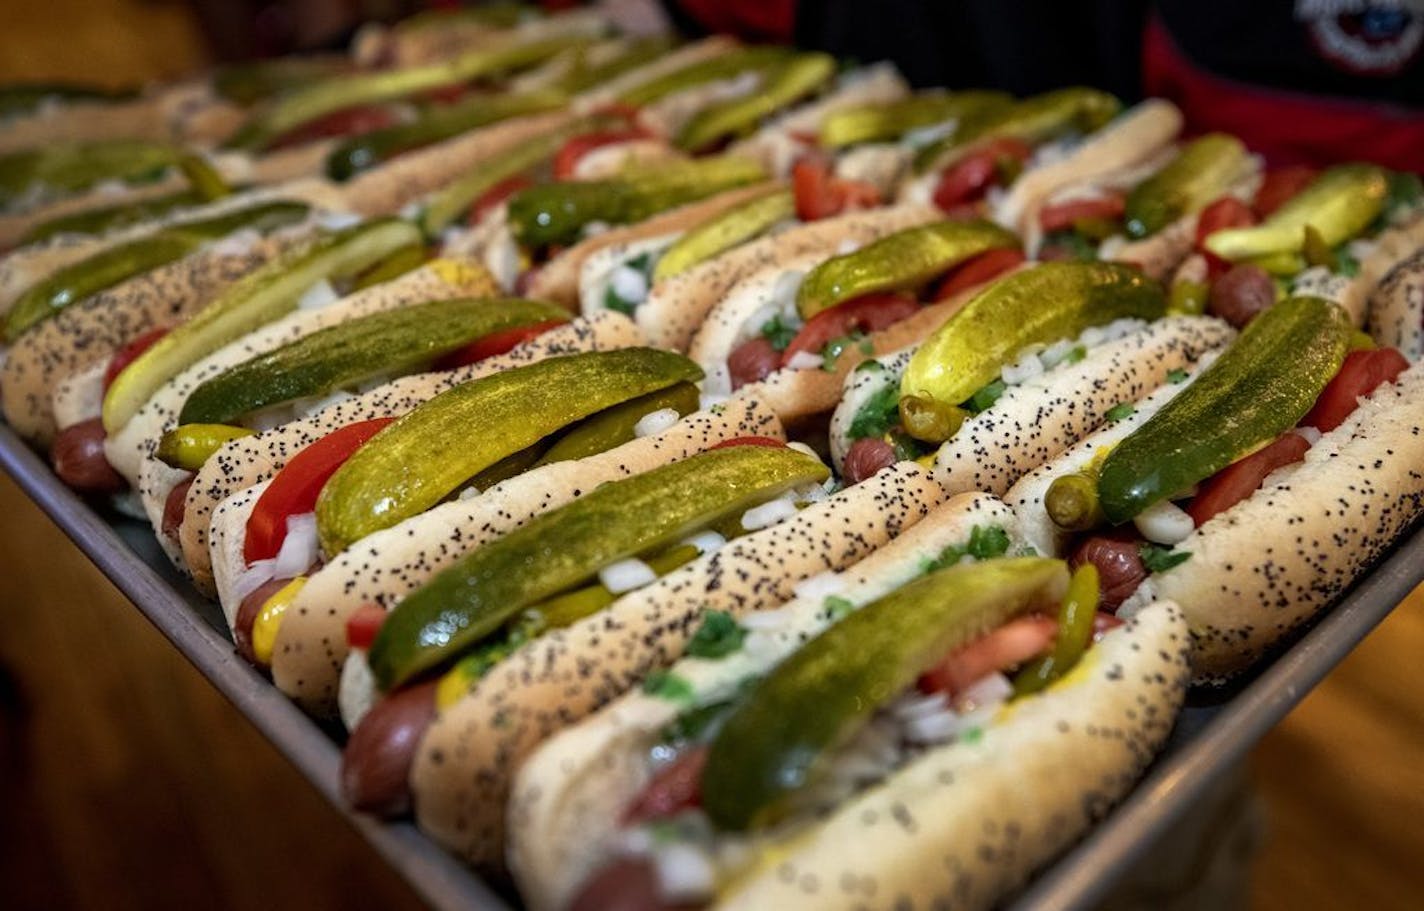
x=370, y=149
x=773, y=743
x=1034, y=120
x=618, y=425
x=1338, y=204
x=248, y=83
x=27, y=97
x=557, y=213
x=393, y=341
x=885, y=122
x=723, y=66
x=254, y=300
x=111, y=218
x=1258, y=389
x=1038, y=306
x=583, y=75
x=427, y=454
x=565, y=548
x=346, y=91
x=1200, y=173
x=109, y=267
x=903, y=260
x=784, y=84
x=70, y=167
x=737, y=226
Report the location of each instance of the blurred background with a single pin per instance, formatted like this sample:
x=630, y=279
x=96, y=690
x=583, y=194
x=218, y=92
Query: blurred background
x=127, y=782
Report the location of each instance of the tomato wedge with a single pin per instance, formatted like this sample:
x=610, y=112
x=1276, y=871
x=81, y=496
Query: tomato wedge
x=1021, y=639
x=869, y=313
x=982, y=268
x=1064, y=215
x=129, y=353
x=971, y=176
x=1279, y=185
x=496, y=195
x=1240, y=479
x=572, y=152
x=495, y=343
x=769, y=442
x=351, y=121
x=1226, y=212
x=821, y=194
x=294, y=489
x=363, y=624
x=676, y=787
x=1362, y=373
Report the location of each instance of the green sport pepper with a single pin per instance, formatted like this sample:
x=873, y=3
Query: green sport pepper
x=774, y=741
x=1037, y=306
x=1200, y=173
x=419, y=460
x=389, y=342
x=260, y=297
x=1258, y=389
x=904, y=260
x=565, y=548
x=189, y=446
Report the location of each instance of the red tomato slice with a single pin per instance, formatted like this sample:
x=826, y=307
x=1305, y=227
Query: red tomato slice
x=1362, y=373
x=129, y=353
x=363, y=624
x=294, y=489
x=1240, y=479
x=676, y=787
x=769, y=442
x=496, y=195
x=970, y=177
x=347, y=122
x=1062, y=216
x=1279, y=185
x=1012, y=644
x=821, y=194
x=1226, y=212
x=571, y=152
x=494, y=343
x=982, y=268
x=869, y=313
x=447, y=94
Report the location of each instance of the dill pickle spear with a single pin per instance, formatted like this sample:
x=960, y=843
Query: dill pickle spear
x=884, y=122
x=584, y=75
x=427, y=454
x=71, y=167
x=566, y=547
x=557, y=213
x=348, y=90
x=1258, y=389
x=1339, y=204
x=1200, y=173
x=260, y=297
x=248, y=83
x=27, y=97
x=736, y=226
x=784, y=85
x=1034, y=120
x=111, y=218
x=774, y=741
x=1037, y=306
x=618, y=425
x=360, y=153
x=904, y=260
x=390, y=342
x=119, y=263
x=723, y=66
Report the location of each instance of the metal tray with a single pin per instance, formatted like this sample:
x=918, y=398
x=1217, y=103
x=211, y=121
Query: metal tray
x=1212, y=734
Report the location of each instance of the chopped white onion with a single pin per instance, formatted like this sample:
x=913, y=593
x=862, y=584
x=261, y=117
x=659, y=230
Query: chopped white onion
x=318, y=296
x=820, y=586
x=768, y=514
x=915, y=705
x=767, y=620
x=1022, y=370
x=595, y=228
x=253, y=577
x=626, y=575
x=469, y=493
x=706, y=542
x=933, y=728
x=629, y=284
x=1311, y=434
x=655, y=422
x=300, y=547
x=337, y=221
x=929, y=134
x=238, y=243
x=357, y=691
x=783, y=291
x=1055, y=353
x=849, y=245
x=1164, y=522
x=685, y=873
x=803, y=448
x=989, y=691
x=805, y=360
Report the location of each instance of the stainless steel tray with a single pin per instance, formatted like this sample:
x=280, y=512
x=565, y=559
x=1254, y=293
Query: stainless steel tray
x=1211, y=737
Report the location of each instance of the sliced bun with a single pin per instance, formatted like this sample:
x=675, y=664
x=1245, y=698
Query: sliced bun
x=1397, y=308
x=467, y=760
